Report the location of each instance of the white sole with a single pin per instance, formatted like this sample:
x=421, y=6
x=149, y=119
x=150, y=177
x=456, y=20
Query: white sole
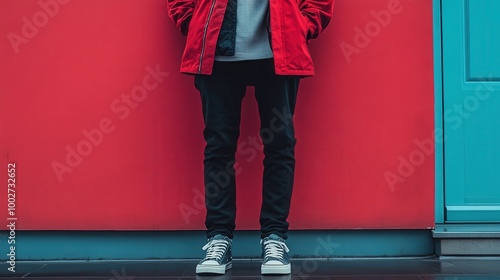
x=275, y=269
x=213, y=269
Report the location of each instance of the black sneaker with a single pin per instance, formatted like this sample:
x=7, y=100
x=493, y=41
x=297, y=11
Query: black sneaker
x=275, y=259
x=218, y=258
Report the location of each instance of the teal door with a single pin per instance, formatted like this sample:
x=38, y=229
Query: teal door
x=471, y=109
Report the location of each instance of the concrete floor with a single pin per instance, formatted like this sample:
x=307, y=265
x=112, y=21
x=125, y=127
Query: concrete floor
x=315, y=269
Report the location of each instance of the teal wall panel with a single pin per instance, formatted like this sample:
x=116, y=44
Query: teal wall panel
x=140, y=245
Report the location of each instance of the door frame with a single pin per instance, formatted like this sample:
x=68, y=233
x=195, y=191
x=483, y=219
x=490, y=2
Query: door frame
x=438, y=113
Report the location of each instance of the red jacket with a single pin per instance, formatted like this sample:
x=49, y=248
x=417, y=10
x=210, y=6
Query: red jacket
x=293, y=23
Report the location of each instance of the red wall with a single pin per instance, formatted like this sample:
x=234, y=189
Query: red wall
x=67, y=69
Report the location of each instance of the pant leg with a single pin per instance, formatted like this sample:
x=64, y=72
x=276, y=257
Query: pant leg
x=221, y=94
x=276, y=96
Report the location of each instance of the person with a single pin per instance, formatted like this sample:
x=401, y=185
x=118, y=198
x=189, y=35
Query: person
x=231, y=45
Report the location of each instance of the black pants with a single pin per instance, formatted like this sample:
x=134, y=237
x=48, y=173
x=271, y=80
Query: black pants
x=222, y=94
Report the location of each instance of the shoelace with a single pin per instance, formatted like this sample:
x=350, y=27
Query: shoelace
x=274, y=249
x=215, y=249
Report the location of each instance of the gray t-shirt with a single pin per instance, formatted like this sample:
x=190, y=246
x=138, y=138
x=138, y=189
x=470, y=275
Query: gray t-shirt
x=252, y=39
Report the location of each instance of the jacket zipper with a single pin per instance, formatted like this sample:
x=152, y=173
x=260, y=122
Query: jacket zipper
x=205, y=35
